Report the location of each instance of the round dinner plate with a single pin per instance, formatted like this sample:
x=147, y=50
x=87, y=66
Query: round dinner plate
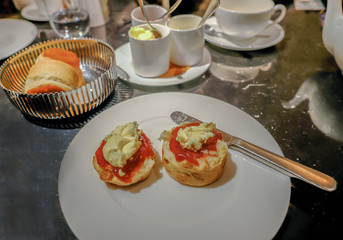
x=267, y=38
x=32, y=13
x=15, y=35
x=127, y=73
x=249, y=201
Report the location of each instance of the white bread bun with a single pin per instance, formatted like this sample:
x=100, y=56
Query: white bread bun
x=120, y=167
x=52, y=73
x=210, y=166
x=55, y=70
x=81, y=80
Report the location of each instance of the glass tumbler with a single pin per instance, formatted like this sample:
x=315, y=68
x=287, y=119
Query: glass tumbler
x=70, y=23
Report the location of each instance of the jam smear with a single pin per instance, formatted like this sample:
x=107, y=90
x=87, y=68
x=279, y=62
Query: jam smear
x=174, y=70
x=189, y=155
x=132, y=165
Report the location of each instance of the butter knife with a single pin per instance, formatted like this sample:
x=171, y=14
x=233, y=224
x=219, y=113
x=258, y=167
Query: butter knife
x=275, y=161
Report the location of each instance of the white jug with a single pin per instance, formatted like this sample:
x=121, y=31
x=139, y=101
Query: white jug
x=333, y=30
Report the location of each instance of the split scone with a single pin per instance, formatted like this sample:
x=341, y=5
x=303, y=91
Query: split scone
x=55, y=70
x=125, y=156
x=194, y=154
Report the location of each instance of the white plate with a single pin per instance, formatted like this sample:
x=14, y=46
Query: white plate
x=267, y=38
x=32, y=13
x=127, y=73
x=15, y=35
x=249, y=201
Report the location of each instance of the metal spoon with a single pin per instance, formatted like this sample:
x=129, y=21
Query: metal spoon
x=211, y=31
x=156, y=33
x=209, y=11
x=243, y=43
x=171, y=9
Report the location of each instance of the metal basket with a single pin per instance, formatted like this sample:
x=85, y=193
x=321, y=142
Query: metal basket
x=97, y=62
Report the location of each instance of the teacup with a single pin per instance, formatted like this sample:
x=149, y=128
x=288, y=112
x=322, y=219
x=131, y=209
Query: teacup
x=150, y=58
x=154, y=12
x=20, y=4
x=186, y=39
x=245, y=19
x=47, y=7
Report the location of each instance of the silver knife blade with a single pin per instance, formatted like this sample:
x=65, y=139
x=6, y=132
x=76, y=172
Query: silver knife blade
x=275, y=161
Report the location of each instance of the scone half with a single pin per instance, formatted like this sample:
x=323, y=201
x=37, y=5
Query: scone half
x=55, y=70
x=206, y=167
x=137, y=167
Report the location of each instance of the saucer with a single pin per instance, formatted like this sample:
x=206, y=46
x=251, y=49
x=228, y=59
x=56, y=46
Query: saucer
x=127, y=73
x=267, y=38
x=32, y=13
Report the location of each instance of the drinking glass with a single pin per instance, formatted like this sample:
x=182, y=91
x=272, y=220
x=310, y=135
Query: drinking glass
x=70, y=23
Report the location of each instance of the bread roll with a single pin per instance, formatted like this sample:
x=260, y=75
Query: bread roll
x=51, y=76
x=65, y=56
x=194, y=167
x=135, y=164
x=55, y=70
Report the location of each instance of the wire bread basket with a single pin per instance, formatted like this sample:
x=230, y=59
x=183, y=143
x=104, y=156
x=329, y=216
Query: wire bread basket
x=98, y=66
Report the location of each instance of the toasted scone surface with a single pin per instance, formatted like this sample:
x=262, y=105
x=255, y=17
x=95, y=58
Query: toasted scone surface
x=186, y=162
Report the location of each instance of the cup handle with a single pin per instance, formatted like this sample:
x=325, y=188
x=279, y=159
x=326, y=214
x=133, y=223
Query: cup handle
x=282, y=9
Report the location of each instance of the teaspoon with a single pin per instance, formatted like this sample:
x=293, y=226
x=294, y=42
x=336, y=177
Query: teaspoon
x=156, y=33
x=213, y=32
x=209, y=11
x=171, y=9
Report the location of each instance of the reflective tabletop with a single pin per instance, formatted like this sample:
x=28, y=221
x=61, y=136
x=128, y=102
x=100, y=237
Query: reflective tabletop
x=293, y=89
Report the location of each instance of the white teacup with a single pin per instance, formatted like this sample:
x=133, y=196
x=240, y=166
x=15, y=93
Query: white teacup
x=186, y=39
x=245, y=19
x=48, y=7
x=150, y=58
x=20, y=4
x=153, y=12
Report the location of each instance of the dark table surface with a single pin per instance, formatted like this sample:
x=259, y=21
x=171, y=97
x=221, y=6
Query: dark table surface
x=294, y=89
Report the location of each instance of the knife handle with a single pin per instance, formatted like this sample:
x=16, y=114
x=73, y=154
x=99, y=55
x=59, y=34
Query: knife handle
x=285, y=165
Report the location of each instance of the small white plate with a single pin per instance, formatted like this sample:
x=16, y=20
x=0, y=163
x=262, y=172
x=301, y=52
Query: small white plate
x=32, y=13
x=249, y=201
x=267, y=38
x=127, y=73
x=15, y=35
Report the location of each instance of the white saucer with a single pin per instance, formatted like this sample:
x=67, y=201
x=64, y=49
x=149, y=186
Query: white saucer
x=267, y=38
x=127, y=73
x=15, y=35
x=31, y=12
